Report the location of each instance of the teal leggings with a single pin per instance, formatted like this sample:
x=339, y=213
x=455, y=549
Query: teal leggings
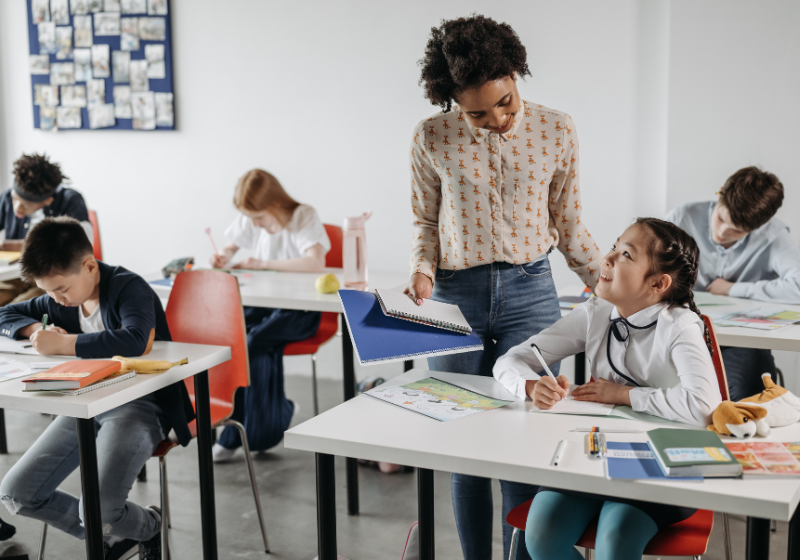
x=556, y=521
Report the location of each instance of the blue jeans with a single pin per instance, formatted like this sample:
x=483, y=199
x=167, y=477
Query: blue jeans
x=556, y=521
x=743, y=368
x=126, y=439
x=505, y=305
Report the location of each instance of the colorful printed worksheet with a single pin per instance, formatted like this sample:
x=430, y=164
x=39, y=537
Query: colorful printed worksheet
x=759, y=318
x=436, y=399
x=765, y=458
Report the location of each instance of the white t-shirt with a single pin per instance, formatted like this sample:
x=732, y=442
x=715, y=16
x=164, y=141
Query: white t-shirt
x=302, y=232
x=93, y=323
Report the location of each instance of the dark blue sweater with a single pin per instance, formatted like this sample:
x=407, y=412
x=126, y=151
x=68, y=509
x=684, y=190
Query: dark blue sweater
x=130, y=310
x=66, y=202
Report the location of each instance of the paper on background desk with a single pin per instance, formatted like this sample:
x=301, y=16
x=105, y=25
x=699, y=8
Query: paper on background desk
x=707, y=298
x=762, y=318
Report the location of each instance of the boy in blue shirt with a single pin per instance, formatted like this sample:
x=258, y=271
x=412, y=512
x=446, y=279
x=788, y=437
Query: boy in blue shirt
x=745, y=252
x=36, y=193
x=97, y=311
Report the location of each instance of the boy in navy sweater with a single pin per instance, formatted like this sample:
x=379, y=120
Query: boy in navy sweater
x=36, y=193
x=97, y=311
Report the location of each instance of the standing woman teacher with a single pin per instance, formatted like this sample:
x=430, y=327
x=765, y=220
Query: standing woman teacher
x=494, y=186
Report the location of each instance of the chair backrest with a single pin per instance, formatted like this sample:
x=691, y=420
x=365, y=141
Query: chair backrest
x=334, y=257
x=719, y=366
x=96, y=245
x=205, y=307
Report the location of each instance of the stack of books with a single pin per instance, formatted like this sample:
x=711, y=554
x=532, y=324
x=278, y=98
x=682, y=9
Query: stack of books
x=76, y=377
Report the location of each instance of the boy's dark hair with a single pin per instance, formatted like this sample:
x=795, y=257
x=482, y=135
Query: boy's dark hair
x=468, y=52
x=36, y=177
x=752, y=197
x=675, y=252
x=54, y=246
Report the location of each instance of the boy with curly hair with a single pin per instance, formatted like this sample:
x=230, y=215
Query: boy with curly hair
x=36, y=193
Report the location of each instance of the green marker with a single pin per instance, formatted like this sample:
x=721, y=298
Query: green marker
x=44, y=321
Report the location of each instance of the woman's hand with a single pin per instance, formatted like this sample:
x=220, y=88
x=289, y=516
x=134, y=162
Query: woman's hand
x=546, y=391
x=603, y=391
x=419, y=287
x=252, y=264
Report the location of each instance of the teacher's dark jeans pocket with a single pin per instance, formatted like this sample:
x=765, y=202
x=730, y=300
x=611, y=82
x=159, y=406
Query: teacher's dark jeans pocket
x=445, y=275
x=536, y=269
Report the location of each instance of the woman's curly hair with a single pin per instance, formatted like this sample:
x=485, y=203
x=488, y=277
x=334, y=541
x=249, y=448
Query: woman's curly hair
x=35, y=174
x=465, y=53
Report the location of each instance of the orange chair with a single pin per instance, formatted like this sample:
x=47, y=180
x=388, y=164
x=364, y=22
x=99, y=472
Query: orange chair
x=196, y=297
x=96, y=245
x=329, y=323
x=686, y=538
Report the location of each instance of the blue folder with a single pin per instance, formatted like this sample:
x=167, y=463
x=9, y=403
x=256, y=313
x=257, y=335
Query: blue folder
x=379, y=338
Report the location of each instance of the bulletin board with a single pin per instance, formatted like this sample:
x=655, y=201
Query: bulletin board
x=101, y=64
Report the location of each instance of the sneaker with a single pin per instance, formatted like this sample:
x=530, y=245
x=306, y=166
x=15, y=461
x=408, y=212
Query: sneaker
x=221, y=454
x=120, y=549
x=151, y=548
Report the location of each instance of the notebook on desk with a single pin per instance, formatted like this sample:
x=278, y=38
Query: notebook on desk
x=378, y=338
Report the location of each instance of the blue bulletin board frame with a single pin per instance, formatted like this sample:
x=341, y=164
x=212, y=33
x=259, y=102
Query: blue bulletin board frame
x=159, y=85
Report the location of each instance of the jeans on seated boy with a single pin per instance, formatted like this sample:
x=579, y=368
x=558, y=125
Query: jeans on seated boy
x=97, y=311
x=745, y=252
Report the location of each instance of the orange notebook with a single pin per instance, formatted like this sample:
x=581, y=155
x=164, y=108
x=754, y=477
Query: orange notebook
x=71, y=375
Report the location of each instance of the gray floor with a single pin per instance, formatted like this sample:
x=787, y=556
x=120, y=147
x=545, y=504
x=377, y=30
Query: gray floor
x=286, y=483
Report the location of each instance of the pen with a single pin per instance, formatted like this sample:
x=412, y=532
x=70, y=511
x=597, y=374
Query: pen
x=559, y=452
x=541, y=360
x=44, y=321
x=610, y=430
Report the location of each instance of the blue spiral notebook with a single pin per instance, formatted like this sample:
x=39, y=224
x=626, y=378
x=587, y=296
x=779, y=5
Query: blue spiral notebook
x=378, y=338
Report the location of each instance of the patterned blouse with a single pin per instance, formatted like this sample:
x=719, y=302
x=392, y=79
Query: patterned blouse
x=480, y=197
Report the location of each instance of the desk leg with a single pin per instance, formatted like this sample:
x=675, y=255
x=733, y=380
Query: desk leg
x=580, y=368
x=326, y=507
x=207, y=506
x=349, y=392
x=90, y=484
x=3, y=442
x=427, y=550
x=794, y=537
x=757, y=539
x=408, y=365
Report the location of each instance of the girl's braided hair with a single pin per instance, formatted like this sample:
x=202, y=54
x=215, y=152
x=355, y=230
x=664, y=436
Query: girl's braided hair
x=675, y=252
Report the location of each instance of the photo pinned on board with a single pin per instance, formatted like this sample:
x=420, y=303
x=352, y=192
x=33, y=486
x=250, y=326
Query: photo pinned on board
x=59, y=12
x=101, y=67
x=78, y=7
x=134, y=6
x=73, y=96
x=62, y=74
x=106, y=24
x=154, y=54
x=120, y=62
x=68, y=117
x=101, y=116
x=83, y=64
x=112, y=6
x=45, y=95
x=64, y=42
x=122, y=102
x=129, y=39
x=156, y=7
x=39, y=64
x=83, y=31
x=47, y=37
x=138, y=72
x=165, y=115
x=152, y=29
x=95, y=6
x=144, y=110
x=47, y=119
x=96, y=92
x=40, y=10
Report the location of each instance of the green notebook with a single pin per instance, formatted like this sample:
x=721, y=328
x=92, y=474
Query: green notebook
x=684, y=453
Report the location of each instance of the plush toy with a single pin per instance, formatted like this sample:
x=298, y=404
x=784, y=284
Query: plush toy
x=771, y=408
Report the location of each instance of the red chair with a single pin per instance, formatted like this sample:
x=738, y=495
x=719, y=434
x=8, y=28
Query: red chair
x=686, y=538
x=197, y=296
x=96, y=245
x=329, y=323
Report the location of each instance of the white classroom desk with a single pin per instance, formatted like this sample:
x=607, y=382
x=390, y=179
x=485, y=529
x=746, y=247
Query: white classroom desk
x=511, y=443
x=295, y=290
x=85, y=407
x=9, y=271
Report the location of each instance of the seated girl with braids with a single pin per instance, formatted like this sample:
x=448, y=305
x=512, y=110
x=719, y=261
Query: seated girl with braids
x=648, y=348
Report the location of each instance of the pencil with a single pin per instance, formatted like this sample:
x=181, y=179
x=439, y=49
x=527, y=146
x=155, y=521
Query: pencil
x=44, y=321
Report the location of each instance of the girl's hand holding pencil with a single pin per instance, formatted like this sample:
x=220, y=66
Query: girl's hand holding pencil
x=547, y=391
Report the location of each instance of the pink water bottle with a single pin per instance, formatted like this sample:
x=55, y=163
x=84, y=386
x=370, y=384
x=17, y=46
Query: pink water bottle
x=355, y=252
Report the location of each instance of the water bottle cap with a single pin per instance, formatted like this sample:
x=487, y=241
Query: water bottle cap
x=357, y=222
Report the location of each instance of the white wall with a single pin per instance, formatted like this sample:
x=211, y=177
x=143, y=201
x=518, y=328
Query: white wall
x=324, y=94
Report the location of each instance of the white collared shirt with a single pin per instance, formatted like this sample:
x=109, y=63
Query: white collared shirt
x=669, y=360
